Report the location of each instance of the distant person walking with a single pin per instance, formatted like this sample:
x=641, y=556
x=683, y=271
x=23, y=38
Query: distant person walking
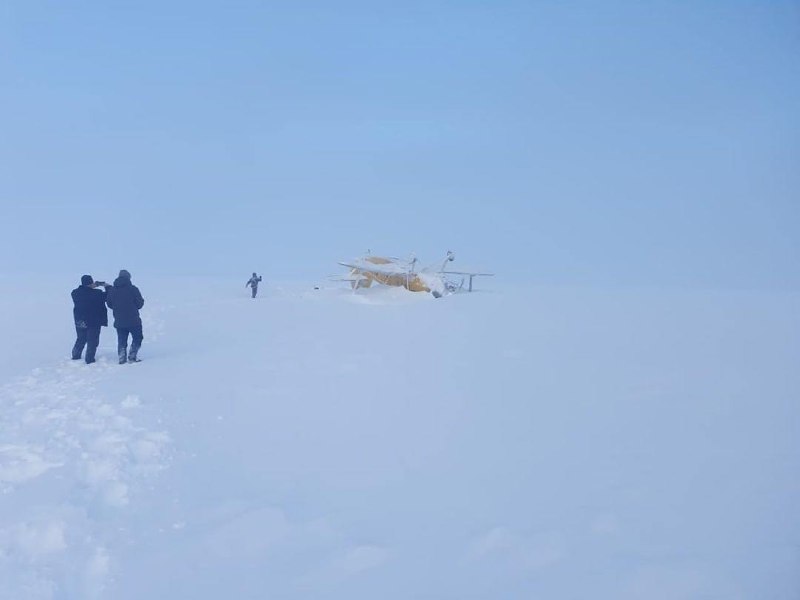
x=125, y=300
x=90, y=314
x=253, y=284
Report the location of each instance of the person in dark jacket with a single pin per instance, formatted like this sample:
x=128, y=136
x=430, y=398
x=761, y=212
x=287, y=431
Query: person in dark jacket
x=89, y=312
x=125, y=300
x=253, y=283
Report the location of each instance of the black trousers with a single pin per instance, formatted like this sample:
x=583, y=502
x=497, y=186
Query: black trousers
x=89, y=337
x=255, y=290
x=136, y=339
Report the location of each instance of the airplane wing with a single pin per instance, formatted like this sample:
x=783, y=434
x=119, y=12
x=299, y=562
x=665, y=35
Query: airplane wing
x=369, y=267
x=473, y=273
x=344, y=278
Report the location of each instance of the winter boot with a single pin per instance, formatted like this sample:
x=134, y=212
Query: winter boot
x=132, y=354
x=123, y=355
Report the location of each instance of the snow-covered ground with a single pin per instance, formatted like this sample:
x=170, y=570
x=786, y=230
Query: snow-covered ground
x=521, y=442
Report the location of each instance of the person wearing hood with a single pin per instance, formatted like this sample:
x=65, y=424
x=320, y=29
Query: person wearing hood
x=253, y=283
x=125, y=300
x=89, y=312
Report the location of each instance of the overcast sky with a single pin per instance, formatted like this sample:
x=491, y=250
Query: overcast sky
x=603, y=143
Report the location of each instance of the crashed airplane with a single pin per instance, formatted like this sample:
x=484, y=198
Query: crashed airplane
x=436, y=279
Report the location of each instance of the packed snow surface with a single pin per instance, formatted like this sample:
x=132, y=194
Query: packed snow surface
x=521, y=442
